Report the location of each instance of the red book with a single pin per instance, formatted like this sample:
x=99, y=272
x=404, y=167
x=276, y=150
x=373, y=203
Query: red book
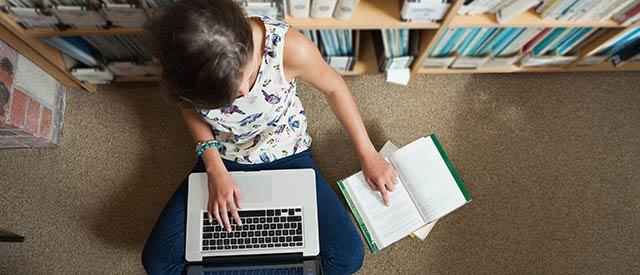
x=630, y=13
x=535, y=40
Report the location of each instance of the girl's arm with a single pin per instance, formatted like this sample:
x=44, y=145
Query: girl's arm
x=222, y=187
x=303, y=60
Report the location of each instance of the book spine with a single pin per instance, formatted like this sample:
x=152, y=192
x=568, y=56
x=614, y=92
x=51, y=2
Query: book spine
x=356, y=215
x=444, y=156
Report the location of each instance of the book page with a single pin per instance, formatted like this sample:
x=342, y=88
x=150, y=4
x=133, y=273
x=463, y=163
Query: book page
x=388, y=224
x=428, y=179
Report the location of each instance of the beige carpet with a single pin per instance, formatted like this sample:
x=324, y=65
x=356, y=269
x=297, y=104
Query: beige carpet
x=551, y=160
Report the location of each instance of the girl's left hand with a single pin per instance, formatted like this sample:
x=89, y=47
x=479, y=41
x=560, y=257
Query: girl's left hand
x=379, y=174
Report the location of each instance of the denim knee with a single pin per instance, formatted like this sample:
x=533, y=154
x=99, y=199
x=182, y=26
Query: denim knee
x=346, y=261
x=353, y=261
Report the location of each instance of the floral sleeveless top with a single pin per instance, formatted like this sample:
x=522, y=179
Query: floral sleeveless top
x=268, y=123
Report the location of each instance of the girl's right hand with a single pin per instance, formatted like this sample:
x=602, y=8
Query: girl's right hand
x=224, y=198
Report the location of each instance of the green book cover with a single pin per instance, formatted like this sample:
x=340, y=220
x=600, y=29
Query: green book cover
x=356, y=214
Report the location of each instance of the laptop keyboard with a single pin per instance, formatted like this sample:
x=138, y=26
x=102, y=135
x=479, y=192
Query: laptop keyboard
x=260, y=229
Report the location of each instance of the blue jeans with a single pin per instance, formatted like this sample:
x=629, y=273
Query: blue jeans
x=341, y=250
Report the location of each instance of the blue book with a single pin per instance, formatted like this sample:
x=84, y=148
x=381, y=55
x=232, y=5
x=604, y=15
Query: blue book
x=568, y=45
x=74, y=47
x=537, y=50
x=446, y=50
x=621, y=42
x=564, y=39
x=506, y=40
x=483, y=40
x=432, y=52
x=467, y=40
x=484, y=50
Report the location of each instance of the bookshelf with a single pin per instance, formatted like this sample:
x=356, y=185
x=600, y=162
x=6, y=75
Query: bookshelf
x=371, y=15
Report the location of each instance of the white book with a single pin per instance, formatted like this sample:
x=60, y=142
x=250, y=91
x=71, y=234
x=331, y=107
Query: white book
x=299, y=8
x=385, y=43
x=498, y=5
x=461, y=39
x=600, y=9
x=322, y=8
x=345, y=9
x=428, y=189
x=514, y=9
x=556, y=9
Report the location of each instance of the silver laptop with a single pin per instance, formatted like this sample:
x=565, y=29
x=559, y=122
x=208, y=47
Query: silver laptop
x=279, y=219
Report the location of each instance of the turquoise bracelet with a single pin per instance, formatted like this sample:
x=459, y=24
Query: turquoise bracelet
x=204, y=146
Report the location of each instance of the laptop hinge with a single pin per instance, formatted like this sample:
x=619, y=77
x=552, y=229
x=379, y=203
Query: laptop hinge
x=270, y=258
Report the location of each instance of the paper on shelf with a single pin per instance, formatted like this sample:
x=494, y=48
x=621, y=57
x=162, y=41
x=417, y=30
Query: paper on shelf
x=398, y=76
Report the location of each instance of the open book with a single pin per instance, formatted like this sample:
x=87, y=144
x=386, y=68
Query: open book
x=428, y=189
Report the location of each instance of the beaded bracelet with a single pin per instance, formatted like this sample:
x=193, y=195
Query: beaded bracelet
x=204, y=145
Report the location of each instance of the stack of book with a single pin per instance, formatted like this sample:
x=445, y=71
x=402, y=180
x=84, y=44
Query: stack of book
x=424, y=10
x=556, y=9
x=396, y=48
x=585, y=9
x=476, y=47
x=625, y=48
x=338, y=47
x=340, y=9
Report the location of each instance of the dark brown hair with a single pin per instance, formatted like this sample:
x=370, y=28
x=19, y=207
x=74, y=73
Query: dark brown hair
x=202, y=46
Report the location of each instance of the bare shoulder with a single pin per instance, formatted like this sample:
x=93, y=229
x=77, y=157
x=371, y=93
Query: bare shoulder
x=299, y=54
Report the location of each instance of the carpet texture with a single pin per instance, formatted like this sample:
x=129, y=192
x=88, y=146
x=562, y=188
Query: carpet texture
x=552, y=162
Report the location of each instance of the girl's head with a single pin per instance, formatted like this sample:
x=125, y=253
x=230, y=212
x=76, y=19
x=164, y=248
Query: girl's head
x=206, y=49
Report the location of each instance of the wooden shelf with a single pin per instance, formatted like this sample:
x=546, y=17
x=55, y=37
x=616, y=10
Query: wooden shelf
x=78, y=32
x=370, y=14
x=527, y=19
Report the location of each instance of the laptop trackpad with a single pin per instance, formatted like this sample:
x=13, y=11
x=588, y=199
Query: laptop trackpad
x=255, y=188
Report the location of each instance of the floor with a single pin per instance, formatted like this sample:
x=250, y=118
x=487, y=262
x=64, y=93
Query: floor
x=552, y=162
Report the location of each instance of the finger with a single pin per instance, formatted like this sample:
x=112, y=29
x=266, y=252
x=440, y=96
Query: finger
x=388, y=182
x=238, y=198
x=225, y=216
x=217, y=214
x=209, y=211
x=371, y=184
x=385, y=195
x=234, y=213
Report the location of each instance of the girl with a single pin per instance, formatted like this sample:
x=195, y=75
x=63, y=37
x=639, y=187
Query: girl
x=234, y=78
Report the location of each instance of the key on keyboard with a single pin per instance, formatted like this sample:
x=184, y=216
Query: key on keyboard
x=263, y=228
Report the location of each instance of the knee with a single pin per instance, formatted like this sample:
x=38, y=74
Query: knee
x=347, y=261
x=147, y=260
x=151, y=261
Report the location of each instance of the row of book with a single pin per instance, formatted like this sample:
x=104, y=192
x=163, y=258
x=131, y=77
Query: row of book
x=509, y=41
x=92, y=50
x=624, y=11
x=338, y=47
x=475, y=47
x=99, y=58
